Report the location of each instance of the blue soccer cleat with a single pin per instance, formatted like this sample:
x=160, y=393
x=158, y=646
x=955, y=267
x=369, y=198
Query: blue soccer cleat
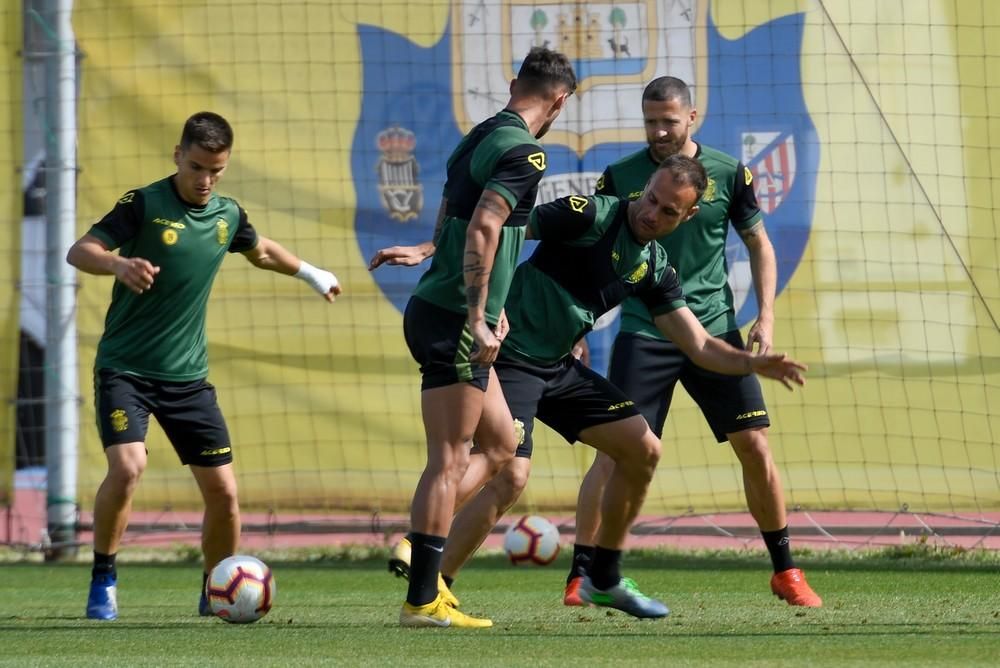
x=624, y=596
x=102, y=603
x=204, y=609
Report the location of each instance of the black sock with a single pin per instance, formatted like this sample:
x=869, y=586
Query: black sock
x=777, y=543
x=425, y=564
x=605, y=569
x=204, y=582
x=583, y=555
x=104, y=564
x=448, y=580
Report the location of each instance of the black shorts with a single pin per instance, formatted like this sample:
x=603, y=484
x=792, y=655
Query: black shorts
x=188, y=412
x=441, y=343
x=567, y=396
x=647, y=370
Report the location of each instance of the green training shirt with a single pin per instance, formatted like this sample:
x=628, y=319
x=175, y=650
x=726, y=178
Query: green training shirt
x=587, y=263
x=160, y=333
x=500, y=155
x=697, y=248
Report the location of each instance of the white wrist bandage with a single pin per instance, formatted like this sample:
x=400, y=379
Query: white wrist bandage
x=321, y=280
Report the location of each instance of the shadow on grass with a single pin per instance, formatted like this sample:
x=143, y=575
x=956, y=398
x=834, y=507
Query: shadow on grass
x=917, y=558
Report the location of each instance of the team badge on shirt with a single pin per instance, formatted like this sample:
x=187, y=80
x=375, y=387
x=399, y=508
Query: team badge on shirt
x=577, y=203
x=169, y=237
x=638, y=273
x=537, y=160
x=222, y=232
x=709, y=195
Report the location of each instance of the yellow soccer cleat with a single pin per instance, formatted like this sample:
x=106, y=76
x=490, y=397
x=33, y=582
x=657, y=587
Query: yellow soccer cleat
x=399, y=564
x=399, y=559
x=439, y=614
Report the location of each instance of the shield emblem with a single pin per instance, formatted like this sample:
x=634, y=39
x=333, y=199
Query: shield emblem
x=770, y=156
x=613, y=50
x=616, y=48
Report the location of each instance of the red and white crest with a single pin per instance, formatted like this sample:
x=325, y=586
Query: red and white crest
x=770, y=157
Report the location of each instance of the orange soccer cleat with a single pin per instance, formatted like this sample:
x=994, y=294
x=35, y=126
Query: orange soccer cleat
x=572, y=594
x=791, y=586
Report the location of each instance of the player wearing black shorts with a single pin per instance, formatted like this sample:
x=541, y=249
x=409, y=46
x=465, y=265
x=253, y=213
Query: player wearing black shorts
x=595, y=252
x=453, y=323
x=647, y=366
x=171, y=237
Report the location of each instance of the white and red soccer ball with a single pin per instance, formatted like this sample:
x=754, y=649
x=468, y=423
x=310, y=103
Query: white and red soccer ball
x=532, y=540
x=240, y=589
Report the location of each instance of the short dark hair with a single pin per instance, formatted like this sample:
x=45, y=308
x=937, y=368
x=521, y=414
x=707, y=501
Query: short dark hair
x=662, y=89
x=686, y=171
x=209, y=131
x=544, y=71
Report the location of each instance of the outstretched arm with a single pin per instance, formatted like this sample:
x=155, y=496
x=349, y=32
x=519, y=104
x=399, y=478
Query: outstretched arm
x=764, y=270
x=269, y=254
x=411, y=256
x=714, y=354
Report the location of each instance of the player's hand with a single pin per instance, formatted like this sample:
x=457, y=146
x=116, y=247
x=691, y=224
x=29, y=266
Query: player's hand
x=323, y=282
x=405, y=256
x=486, y=344
x=761, y=335
x=136, y=273
x=779, y=367
x=503, y=326
x=581, y=351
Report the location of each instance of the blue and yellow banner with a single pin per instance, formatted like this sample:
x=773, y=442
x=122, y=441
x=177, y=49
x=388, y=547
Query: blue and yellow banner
x=867, y=156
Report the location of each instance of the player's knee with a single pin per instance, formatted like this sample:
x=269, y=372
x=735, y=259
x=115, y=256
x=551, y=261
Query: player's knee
x=640, y=460
x=751, y=445
x=512, y=480
x=649, y=452
x=499, y=457
x=125, y=474
x=221, y=494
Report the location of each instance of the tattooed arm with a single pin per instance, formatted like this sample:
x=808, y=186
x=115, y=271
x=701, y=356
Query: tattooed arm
x=764, y=270
x=481, y=240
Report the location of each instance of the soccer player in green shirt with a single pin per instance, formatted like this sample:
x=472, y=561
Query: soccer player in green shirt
x=595, y=252
x=453, y=325
x=171, y=237
x=646, y=365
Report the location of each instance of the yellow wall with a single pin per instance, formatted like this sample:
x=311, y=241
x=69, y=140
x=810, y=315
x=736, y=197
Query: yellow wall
x=894, y=306
x=10, y=242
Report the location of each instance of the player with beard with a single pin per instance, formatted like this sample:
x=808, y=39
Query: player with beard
x=646, y=366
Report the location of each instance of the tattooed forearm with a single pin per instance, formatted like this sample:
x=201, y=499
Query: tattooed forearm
x=493, y=207
x=473, y=295
x=439, y=224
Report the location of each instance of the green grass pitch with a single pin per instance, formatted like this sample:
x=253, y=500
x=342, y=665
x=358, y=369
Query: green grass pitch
x=909, y=610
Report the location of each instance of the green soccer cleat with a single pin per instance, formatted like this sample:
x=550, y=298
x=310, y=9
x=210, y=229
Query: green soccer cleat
x=624, y=596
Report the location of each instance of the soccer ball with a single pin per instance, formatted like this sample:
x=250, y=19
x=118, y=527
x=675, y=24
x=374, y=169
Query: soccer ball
x=532, y=540
x=240, y=589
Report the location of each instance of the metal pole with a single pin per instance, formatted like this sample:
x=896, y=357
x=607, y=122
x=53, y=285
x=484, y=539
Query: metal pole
x=61, y=386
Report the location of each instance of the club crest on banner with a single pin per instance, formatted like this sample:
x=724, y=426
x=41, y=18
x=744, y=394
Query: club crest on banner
x=441, y=91
x=398, y=174
x=770, y=157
